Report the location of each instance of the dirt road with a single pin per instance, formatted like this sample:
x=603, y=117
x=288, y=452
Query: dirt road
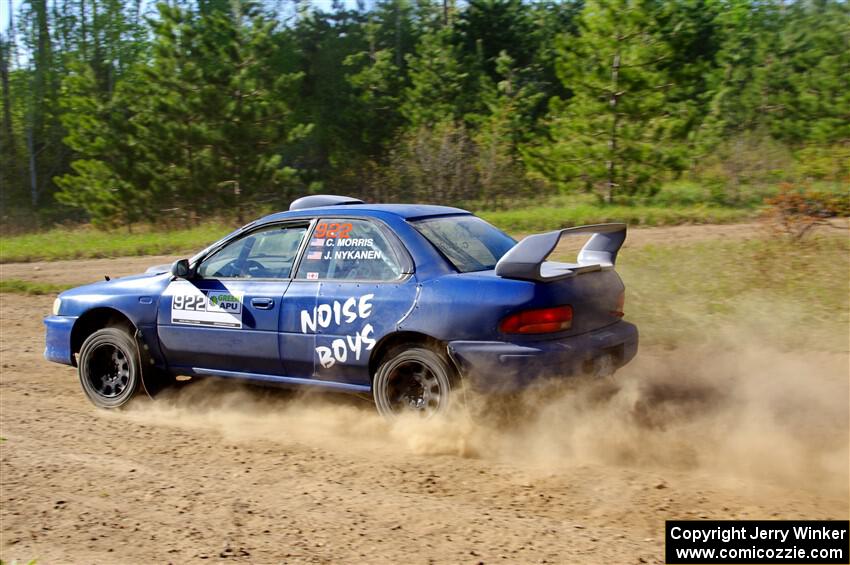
x=220, y=472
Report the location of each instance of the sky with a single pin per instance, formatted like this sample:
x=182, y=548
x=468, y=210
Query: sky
x=4, y=12
x=21, y=58
x=16, y=5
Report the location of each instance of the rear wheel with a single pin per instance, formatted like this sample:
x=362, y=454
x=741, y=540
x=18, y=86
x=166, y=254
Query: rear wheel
x=412, y=380
x=109, y=368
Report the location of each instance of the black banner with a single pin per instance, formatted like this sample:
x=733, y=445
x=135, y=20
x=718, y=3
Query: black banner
x=757, y=541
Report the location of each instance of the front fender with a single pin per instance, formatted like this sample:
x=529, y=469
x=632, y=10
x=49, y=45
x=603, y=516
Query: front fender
x=87, y=308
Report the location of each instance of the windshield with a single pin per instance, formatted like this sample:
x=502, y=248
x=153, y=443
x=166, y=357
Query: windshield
x=470, y=243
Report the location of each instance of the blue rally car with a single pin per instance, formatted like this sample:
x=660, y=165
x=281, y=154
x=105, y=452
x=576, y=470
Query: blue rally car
x=401, y=301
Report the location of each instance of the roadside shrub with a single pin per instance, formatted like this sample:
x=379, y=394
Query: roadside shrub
x=441, y=163
x=744, y=164
x=797, y=209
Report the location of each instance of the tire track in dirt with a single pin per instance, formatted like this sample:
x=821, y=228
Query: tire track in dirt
x=217, y=471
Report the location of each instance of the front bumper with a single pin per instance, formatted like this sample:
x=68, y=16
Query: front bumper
x=58, y=339
x=497, y=366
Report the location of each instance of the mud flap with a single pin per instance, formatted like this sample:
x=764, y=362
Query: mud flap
x=154, y=380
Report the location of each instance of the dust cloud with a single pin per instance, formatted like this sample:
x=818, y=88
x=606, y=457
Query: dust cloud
x=740, y=412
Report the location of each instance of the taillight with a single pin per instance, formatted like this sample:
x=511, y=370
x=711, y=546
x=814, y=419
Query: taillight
x=544, y=320
x=621, y=302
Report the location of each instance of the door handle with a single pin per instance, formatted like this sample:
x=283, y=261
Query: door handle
x=262, y=303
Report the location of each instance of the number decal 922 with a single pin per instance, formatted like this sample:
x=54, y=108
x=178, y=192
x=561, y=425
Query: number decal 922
x=192, y=306
x=333, y=230
x=196, y=302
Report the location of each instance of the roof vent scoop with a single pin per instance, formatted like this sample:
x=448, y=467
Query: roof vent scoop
x=317, y=200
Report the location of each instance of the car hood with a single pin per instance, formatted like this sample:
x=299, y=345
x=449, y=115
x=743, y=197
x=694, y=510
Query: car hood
x=146, y=282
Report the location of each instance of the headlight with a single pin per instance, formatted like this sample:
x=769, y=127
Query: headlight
x=56, y=304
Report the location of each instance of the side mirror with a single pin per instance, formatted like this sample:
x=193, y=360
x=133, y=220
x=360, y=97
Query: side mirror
x=180, y=269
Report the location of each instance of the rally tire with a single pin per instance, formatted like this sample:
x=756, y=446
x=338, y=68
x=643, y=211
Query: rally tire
x=109, y=368
x=413, y=380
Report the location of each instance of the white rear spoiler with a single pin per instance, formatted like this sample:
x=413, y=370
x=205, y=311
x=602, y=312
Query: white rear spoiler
x=527, y=259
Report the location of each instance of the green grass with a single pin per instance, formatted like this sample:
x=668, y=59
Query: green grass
x=63, y=243
x=794, y=295
x=88, y=243
x=32, y=288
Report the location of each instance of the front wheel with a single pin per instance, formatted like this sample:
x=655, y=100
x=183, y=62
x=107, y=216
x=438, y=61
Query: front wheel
x=109, y=368
x=412, y=380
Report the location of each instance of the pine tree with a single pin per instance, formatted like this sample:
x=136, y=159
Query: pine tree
x=8, y=148
x=377, y=77
x=737, y=86
x=199, y=129
x=499, y=134
x=107, y=180
x=43, y=137
x=613, y=135
x=810, y=88
x=200, y=109
x=219, y=115
x=321, y=41
x=489, y=28
x=443, y=86
x=781, y=73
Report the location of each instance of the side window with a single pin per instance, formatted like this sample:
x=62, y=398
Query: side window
x=263, y=254
x=343, y=249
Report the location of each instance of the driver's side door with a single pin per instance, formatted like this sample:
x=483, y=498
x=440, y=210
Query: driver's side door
x=225, y=318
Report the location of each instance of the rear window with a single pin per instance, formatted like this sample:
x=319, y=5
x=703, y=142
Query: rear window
x=468, y=242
